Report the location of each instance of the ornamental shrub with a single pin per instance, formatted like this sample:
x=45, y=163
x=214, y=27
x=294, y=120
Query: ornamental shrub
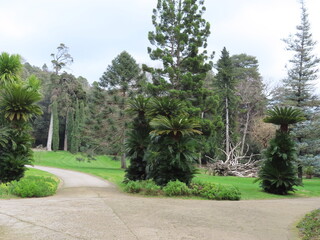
x=35, y=186
x=176, y=188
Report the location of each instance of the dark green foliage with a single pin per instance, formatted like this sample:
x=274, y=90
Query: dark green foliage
x=172, y=150
x=138, y=139
x=55, y=135
x=309, y=226
x=180, y=40
x=17, y=106
x=214, y=191
x=124, y=73
x=176, y=188
x=278, y=174
x=35, y=186
x=15, y=153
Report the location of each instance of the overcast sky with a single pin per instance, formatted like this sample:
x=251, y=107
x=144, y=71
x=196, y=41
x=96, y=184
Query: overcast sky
x=96, y=31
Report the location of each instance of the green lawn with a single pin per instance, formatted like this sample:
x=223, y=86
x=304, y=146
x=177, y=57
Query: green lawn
x=110, y=170
x=103, y=166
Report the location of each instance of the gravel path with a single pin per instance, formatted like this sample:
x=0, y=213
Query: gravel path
x=87, y=207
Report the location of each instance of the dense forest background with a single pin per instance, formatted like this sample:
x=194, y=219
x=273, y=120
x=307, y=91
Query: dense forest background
x=228, y=98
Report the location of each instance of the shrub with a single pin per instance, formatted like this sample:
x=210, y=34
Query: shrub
x=215, y=191
x=34, y=186
x=132, y=187
x=151, y=188
x=147, y=187
x=176, y=188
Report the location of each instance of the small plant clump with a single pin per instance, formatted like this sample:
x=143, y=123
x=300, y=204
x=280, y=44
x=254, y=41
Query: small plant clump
x=146, y=187
x=214, y=191
x=309, y=226
x=34, y=186
x=176, y=188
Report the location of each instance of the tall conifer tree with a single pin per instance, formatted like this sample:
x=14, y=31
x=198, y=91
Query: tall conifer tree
x=299, y=85
x=225, y=84
x=180, y=41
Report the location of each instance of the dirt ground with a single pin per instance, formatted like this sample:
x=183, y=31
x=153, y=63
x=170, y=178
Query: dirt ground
x=90, y=208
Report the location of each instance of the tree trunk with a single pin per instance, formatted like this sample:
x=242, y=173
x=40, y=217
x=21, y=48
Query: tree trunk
x=65, y=142
x=227, y=128
x=245, y=132
x=123, y=161
x=50, y=133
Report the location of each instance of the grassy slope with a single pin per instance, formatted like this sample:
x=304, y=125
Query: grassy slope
x=110, y=170
x=103, y=167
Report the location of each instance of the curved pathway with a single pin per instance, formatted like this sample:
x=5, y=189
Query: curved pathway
x=87, y=207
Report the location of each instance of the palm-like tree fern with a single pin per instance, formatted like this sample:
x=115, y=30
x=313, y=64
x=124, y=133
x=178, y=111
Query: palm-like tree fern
x=18, y=102
x=10, y=67
x=284, y=116
x=138, y=139
x=277, y=174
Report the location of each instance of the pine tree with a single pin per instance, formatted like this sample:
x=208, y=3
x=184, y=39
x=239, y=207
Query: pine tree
x=180, y=41
x=122, y=79
x=55, y=135
x=302, y=73
x=225, y=84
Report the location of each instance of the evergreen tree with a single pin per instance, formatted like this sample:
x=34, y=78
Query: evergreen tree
x=123, y=74
x=225, y=84
x=55, y=136
x=180, y=41
x=122, y=79
x=302, y=73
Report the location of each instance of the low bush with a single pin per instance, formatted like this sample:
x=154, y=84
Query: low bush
x=5, y=189
x=132, y=187
x=147, y=187
x=214, y=191
x=151, y=188
x=309, y=226
x=176, y=188
x=34, y=186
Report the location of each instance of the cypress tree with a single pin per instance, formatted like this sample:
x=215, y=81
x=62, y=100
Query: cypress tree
x=55, y=135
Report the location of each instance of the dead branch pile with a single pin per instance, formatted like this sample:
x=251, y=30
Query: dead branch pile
x=236, y=164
